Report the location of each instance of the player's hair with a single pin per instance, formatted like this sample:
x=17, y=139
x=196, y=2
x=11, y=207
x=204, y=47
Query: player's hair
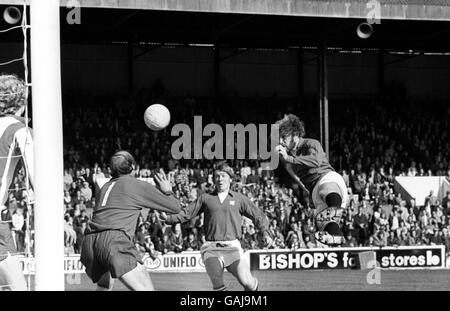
x=291, y=125
x=12, y=94
x=224, y=167
x=121, y=163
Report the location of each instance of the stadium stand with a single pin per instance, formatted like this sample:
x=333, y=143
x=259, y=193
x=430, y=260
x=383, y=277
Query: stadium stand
x=372, y=142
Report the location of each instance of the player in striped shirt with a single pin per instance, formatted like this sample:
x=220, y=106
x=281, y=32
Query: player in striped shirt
x=16, y=145
x=307, y=163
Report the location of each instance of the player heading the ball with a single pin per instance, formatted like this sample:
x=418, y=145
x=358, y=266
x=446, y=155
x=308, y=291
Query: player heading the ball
x=307, y=164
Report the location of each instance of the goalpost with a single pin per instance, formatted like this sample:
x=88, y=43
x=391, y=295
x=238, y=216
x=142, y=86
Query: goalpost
x=48, y=145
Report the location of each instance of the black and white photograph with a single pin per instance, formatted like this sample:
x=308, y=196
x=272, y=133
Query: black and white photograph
x=205, y=146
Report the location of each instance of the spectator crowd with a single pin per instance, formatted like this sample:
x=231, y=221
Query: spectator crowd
x=370, y=145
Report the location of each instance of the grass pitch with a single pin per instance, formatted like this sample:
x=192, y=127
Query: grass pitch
x=318, y=280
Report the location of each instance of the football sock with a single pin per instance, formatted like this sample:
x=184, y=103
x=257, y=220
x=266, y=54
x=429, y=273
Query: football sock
x=333, y=200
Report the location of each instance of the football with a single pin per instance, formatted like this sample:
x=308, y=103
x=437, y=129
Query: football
x=157, y=117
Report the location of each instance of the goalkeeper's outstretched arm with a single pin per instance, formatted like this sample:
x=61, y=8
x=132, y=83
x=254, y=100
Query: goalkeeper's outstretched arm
x=186, y=213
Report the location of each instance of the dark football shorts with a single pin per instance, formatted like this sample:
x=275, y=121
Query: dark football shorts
x=108, y=251
x=6, y=241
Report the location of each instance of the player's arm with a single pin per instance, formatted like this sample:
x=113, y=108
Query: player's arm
x=186, y=213
x=314, y=158
x=160, y=198
x=155, y=199
x=24, y=141
x=290, y=170
x=249, y=210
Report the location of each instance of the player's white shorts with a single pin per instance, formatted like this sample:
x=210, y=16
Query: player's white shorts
x=226, y=251
x=319, y=200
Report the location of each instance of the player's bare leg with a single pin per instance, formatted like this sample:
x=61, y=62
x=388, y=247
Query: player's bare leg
x=241, y=271
x=214, y=268
x=328, y=217
x=138, y=279
x=12, y=275
x=105, y=283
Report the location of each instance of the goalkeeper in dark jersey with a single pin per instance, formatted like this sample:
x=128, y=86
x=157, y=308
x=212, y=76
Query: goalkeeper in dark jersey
x=108, y=251
x=307, y=163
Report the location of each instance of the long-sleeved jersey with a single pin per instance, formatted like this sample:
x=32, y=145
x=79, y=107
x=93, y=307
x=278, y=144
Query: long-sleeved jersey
x=16, y=143
x=310, y=163
x=120, y=200
x=222, y=221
